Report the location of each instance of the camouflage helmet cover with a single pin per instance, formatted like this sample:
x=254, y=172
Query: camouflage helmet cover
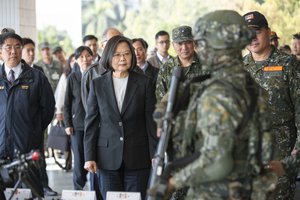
x=223, y=29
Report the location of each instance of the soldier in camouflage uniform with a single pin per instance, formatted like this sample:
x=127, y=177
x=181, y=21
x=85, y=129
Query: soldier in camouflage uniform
x=222, y=119
x=52, y=68
x=279, y=74
x=186, y=58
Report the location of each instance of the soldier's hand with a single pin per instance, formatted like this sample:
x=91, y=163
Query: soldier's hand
x=277, y=167
x=294, y=152
x=158, y=132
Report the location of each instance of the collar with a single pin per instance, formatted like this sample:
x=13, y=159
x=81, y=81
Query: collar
x=17, y=69
x=160, y=57
x=144, y=67
x=97, y=59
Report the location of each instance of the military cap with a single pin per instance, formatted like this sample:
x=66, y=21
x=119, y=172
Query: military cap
x=256, y=20
x=44, y=45
x=182, y=33
x=296, y=36
x=57, y=49
x=273, y=35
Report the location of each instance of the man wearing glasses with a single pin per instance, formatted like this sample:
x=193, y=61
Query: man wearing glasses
x=27, y=101
x=162, y=44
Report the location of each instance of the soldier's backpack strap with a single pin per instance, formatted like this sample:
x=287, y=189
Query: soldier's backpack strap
x=250, y=86
x=183, y=100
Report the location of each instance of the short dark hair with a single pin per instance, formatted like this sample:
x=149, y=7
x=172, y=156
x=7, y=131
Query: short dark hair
x=110, y=49
x=89, y=37
x=161, y=33
x=10, y=35
x=80, y=49
x=142, y=41
x=28, y=41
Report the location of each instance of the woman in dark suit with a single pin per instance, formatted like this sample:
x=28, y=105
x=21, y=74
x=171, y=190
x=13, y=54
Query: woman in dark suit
x=120, y=136
x=74, y=114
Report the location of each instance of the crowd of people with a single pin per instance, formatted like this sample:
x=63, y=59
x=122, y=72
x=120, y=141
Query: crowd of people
x=240, y=113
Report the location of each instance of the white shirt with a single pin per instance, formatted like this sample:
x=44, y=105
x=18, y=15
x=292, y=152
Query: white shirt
x=144, y=67
x=17, y=69
x=120, y=90
x=59, y=94
x=161, y=58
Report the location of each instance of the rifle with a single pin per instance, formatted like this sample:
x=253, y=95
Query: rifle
x=165, y=133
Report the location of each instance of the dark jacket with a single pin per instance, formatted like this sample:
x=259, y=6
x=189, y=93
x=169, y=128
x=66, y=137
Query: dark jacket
x=74, y=113
x=94, y=71
x=26, y=109
x=129, y=136
x=152, y=72
x=38, y=68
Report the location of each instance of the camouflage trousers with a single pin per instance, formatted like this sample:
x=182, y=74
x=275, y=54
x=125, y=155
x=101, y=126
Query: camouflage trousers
x=179, y=194
x=285, y=189
x=228, y=190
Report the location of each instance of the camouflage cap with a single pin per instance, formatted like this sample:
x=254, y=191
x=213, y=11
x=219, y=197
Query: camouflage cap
x=182, y=33
x=296, y=36
x=273, y=35
x=44, y=45
x=57, y=49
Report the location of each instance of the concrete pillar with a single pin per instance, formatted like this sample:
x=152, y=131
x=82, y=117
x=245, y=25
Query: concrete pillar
x=19, y=15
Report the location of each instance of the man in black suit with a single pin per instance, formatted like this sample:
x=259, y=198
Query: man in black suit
x=27, y=101
x=28, y=55
x=140, y=47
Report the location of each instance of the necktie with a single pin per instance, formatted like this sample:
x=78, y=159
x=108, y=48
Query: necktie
x=11, y=76
x=164, y=60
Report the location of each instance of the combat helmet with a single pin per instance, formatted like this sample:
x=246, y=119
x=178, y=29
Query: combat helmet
x=223, y=29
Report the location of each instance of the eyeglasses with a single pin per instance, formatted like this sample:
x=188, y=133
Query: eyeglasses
x=126, y=55
x=9, y=48
x=164, y=42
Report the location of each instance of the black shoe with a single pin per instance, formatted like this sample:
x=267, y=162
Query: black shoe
x=49, y=192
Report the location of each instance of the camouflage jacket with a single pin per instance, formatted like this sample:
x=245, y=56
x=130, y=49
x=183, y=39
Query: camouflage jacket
x=52, y=72
x=166, y=70
x=279, y=75
x=212, y=119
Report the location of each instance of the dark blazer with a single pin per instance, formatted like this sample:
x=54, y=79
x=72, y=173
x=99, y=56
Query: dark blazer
x=95, y=70
x=152, y=72
x=74, y=113
x=38, y=68
x=129, y=136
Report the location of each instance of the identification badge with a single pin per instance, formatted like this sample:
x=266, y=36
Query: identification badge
x=55, y=76
x=24, y=87
x=273, y=71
